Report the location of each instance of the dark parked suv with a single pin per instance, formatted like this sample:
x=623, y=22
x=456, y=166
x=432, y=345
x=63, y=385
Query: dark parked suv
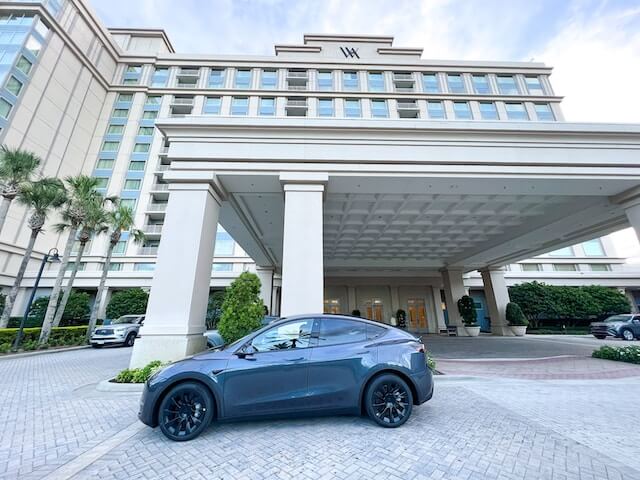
x=626, y=327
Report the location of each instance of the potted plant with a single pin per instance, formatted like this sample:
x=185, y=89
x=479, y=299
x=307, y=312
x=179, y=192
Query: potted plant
x=401, y=317
x=468, y=313
x=516, y=319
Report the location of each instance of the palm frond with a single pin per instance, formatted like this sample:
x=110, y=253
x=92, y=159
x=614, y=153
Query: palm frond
x=16, y=165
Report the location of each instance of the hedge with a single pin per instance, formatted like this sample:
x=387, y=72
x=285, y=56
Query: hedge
x=139, y=375
x=60, y=336
x=630, y=354
x=132, y=301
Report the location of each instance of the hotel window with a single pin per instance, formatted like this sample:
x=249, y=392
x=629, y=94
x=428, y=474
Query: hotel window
x=534, y=87
x=325, y=107
x=565, y=267
x=516, y=111
x=145, y=131
x=120, y=113
x=352, y=108
x=144, y=267
x=5, y=108
x=593, y=248
x=269, y=79
x=153, y=100
x=137, y=165
x=374, y=309
x=379, y=109
x=239, y=106
x=132, y=74
x=224, y=244
x=114, y=266
x=115, y=130
x=132, y=184
x=14, y=86
x=455, y=83
x=332, y=305
x=544, y=112
x=33, y=45
x=531, y=267
x=125, y=97
x=481, y=84
x=102, y=182
x=104, y=164
x=435, y=110
x=110, y=146
x=350, y=80
x=562, y=252
x=243, y=79
x=216, y=78
x=24, y=65
x=160, y=77
x=488, y=111
x=212, y=105
x=222, y=267
x=149, y=115
x=462, y=110
x=141, y=147
x=376, y=82
x=133, y=69
x=128, y=202
x=507, y=85
x=430, y=83
x=267, y=107
x=600, y=267
x=81, y=266
x=325, y=80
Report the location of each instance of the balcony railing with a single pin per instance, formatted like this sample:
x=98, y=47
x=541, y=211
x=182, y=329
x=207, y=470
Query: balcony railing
x=296, y=87
x=147, y=229
x=160, y=187
x=148, y=251
x=403, y=77
x=300, y=75
x=182, y=101
x=407, y=106
x=189, y=72
x=157, y=207
x=296, y=104
x=162, y=168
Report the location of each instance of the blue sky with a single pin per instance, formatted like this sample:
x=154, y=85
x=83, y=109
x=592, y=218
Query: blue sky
x=593, y=45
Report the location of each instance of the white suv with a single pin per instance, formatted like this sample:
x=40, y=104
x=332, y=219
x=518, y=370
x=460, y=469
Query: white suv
x=122, y=331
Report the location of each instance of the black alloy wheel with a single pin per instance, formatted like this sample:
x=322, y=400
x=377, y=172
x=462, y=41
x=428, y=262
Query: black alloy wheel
x=185, y=411
x=389, y=401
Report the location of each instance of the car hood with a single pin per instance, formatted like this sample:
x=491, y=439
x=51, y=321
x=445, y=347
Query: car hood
x=213, y=354
x=118, y=325
x=606, y=324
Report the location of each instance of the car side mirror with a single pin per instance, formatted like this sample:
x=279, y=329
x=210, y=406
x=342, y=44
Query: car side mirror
x=246, y=351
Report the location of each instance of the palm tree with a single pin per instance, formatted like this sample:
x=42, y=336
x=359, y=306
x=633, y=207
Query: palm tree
x=16, y=169
x=81, y=193
x=120, y=220
x=41, y=197
x=94, y=223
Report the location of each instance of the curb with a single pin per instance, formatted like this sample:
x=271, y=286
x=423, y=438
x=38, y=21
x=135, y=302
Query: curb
x=42, y=352
x=107, y=386
x=508, y=360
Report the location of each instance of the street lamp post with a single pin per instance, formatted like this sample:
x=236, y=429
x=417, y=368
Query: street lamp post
x=52, y=255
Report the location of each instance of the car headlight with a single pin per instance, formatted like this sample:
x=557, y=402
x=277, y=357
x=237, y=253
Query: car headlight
x=120, y=331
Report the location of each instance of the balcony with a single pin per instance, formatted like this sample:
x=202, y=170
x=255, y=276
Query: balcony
x=152, y=229
x=189, y=72
x=297, y=75
x=408, y=109
x=297, y=87
x=160, y=187
x=181, y=106
x=182, y=101
x=296, y=107
x=157, y=207
x=403, y=81
x=162, y=168
x=148, y=251
x=164, y=151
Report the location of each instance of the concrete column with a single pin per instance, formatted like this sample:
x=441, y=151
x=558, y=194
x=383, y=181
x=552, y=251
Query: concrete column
x=454, y=291
x=633, y=214
x=302, y=246
x=265, y=274
x=632, y=300
x=497, y=295
x=437, y=310
x=177, y=307
x=352, y=302
x=395, y=300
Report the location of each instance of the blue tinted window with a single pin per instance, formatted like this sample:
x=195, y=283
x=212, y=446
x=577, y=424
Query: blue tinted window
x=462, y=110
x=488, y=111
x=239, y=106
x=335, y=331
x=243, y=79
x=435, y=110
x=430, y=83
x=481, y=84
x=350, y=80
x=216, y=78
x=267, y=106
x=376, y=82
x=269, y=79
x=352, y=108
x=325, y=107
x=593, y=247
x=224, y=243
x=456, y=83
x=544, y=112
x=507, y=85
x=212, y=105
x=516, y=111
x=379, y=109
x=325, y=80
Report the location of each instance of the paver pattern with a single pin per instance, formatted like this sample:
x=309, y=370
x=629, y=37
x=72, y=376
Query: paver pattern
x=472, y=430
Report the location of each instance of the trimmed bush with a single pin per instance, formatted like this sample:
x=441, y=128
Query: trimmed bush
x=60, y=336
x=242, y=308
x=515, y=316
x=76, y=312
x=431, y=362
x=132, y=301
x=630, y=354
x=214, y=308
x=467, y=310
x=139, y=375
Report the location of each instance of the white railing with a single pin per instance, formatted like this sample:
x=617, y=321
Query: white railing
x=296, y=104
x=152, y=229
x=403, y=76
x=160, y=187
x=148, y=251
x=162, y=168
x=407, y=106
x=182, y=101
x=297, y=74
x=296, y=87
x=189, y=72
x=157, y=207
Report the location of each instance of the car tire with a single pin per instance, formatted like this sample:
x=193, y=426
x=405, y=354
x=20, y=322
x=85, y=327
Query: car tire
x=131, y=338
x=95, y=345
x=600, y=337
x=185, y=411
x=627, y=335
x=388, y=401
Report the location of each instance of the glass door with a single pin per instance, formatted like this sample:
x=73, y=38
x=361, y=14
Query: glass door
x=417, y=314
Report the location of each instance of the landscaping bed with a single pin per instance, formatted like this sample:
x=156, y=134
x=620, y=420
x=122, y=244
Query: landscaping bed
x=60, y=337
x=630, y=354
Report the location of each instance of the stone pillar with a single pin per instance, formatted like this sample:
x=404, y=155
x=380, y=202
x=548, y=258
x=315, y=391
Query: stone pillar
x=352, y=302
x=175, y=320
x=265, y=274
x=302, y=245
x=436, y=300
x=497, y=295
x=453, y=291
x=395, y=300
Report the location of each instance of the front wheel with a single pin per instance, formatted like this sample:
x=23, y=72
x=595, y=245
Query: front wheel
x=627, y=335
x=131, y=338
x=185, y=411
x=600, y=337
x=389, y=401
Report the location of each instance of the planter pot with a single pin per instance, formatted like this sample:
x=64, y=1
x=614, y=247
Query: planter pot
x=472, y=331
x=518, y=330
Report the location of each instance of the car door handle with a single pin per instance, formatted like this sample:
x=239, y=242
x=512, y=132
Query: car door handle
x=364, y=352
x=295, y=359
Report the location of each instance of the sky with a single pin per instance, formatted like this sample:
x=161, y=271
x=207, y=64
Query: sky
x=593, y=45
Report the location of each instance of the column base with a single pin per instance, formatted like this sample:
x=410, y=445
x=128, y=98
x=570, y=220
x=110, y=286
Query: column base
x=166, y=348
x=502, y=331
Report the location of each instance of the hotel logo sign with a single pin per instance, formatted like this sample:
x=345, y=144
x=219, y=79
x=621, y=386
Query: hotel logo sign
x=349, y=52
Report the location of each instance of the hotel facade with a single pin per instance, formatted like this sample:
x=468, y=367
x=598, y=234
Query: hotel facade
x=347, y=172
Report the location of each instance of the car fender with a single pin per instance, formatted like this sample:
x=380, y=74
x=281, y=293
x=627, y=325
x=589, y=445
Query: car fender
x=403, y=372
x=186, y=376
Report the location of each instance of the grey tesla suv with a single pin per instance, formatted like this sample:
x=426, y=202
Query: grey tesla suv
x=303, y=365
x=625, y=326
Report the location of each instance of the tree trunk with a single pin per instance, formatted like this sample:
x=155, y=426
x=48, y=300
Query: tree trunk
x=5, y=203
x=47, y=324
x=8, y=306
x=97, y=303
x=69, y=287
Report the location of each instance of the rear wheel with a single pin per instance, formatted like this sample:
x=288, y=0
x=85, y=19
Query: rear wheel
x=388, y=401
x=185, y=411
x=627, y=335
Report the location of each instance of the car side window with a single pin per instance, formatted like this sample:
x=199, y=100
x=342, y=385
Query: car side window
x=335, y=331
x=286, y=336
x=374, y=331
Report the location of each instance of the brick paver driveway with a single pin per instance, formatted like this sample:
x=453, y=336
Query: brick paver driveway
x=56, y=425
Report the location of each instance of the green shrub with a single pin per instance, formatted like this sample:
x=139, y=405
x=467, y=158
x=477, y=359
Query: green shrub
x=630, y=354
x=60, y=336
x=3, y=299
x=132, y=301
x=242, y=308
x=76, y=312
x=139, y=375
x=214, y=308
x=515, y=316
x=431, y=362
x=467, y=310
x=5, y=347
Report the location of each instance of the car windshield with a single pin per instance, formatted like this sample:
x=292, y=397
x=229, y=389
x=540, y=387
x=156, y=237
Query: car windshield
x=124, y=320
x=618, y=318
